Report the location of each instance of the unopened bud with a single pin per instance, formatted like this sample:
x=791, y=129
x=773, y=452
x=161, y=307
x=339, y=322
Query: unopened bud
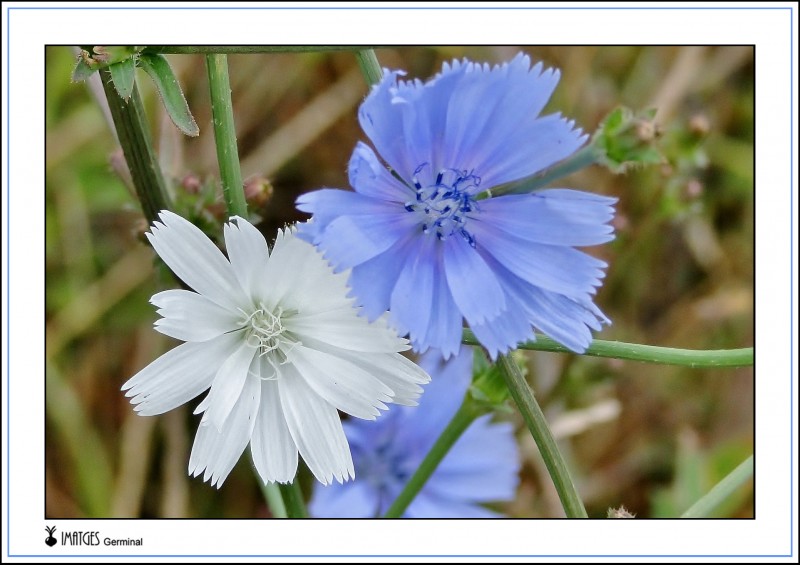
x=693, y=189
x=191, y=183
x=647, y=130
x=257, y=191
x=699, y=125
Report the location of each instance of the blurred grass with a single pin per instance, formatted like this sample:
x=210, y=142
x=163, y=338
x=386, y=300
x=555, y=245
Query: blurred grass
x=651, y=438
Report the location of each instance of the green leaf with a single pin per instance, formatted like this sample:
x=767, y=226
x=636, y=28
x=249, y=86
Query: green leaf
x=83, y=69
x=123, y=75
x=170, y=91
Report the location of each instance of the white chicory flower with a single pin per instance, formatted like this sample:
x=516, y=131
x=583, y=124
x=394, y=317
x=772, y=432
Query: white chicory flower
x=280, y=346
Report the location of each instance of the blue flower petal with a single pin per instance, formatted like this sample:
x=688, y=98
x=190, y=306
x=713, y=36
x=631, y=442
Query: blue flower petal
x=427, y=505
x=351, y=240
x=489, y=450
x=424, y=114
x=556, y=217
x=527, y=150
x=504, y=332
x=475, y=288
x=560, y=269
x=412, y=297
x=353, y=499
x=562, y=318
x=446, y=323
x=383, y=123
x=370, y=177
x=329, y=203
x=374, y=280
x=490, y=104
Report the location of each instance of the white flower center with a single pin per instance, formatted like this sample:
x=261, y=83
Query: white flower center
x=264, y=331
x=444, y=204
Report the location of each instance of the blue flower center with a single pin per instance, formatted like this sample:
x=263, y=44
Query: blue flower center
x=445, y=202
x=384, y=467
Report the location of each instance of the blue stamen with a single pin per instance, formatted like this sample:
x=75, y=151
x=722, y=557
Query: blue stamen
x=446, y=205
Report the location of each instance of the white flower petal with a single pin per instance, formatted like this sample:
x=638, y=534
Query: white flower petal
x=299, y=279
x=247, y=252
x=341, y=383
x=204, y=404
x=195, y=259
x=189, y=316
x=346, y=329
x=315, y=428
x=177, y=376
x=398, y=373
x=273, y=449
x=228, y=383
x=215, y=452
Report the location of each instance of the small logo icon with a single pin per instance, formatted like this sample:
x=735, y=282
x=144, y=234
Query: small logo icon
x=50, y=540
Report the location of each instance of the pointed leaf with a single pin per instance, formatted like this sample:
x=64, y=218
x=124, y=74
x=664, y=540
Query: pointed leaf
x=82, y=70
x=123, y=75
x=170, y=91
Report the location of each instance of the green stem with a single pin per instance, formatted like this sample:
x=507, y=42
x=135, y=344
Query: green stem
x=272, y=494
x=722, y=490
x=134, y=138
x=534, y=418
x=583, y=158
x=245, y=49
x=370, y=67
x=646, y=353
x=225, y=135
x=293, y=499
x=466, y=414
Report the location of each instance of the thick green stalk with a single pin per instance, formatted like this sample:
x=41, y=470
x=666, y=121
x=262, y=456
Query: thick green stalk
x=466, y=414
x=134, y=138
x=246, y=49
x=537, y=424
x=293, y=499
x=225, y=135
x=370, y=67
x=272, y=494
x=646, y=353
x=583, y=158
x=722, y=490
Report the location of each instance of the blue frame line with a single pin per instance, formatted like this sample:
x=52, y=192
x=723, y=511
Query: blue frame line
x=9, y=9
x=8, y=279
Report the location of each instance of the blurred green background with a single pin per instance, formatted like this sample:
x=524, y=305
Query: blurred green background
x=652, y=438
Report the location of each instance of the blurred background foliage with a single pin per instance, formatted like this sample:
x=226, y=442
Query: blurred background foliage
x=652, y=438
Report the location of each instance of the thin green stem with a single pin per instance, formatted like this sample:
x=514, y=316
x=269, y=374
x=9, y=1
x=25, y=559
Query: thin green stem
x=583, y=158
x=272, y=494
x=537, y=424
x=370, y=67
x=722, y=490
x=246, y=49
x=646, y=353
x=134, y=137
x=225, y=135
x=466, y=414
x=293, y=499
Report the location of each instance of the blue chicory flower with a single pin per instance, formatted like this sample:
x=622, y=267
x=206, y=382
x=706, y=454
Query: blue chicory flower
x=482, y=466
x=420, y=241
